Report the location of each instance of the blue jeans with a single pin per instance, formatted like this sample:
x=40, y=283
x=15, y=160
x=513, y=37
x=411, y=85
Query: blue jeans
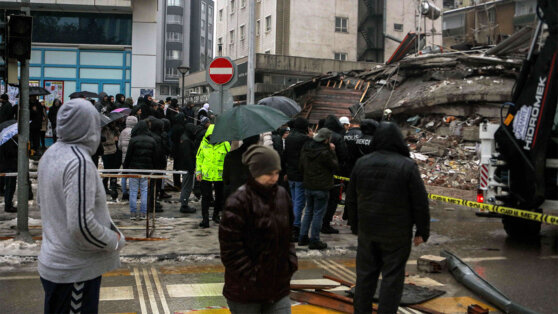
x=124, y=186
x=142, y=183
x=316, y=204
x=297, y=193
x=282, y=306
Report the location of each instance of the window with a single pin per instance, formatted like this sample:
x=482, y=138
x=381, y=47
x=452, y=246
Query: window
x=202, y=43
x=174, y=19
x=341, y=24
x=268, y=23
x=173, y=54
x=221, y=15
x=491, y=16
x=242, y=32
x=202, y=26
x=210, y=13
x=174, y=37
x=398, y=27
x=164, y=89
x=242, y=4
x=231, y=5
x=231, y=37
x=77, y=28
x=171, y=72
x=203, y=6
x=341, y=56
x=258, y=28
x=174, y=3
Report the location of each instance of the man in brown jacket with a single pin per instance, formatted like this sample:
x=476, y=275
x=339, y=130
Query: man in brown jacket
x=254, y=236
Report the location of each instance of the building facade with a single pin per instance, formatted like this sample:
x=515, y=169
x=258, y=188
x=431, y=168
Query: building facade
x=80, y=45
x=324, y=29
x=383, y=24
x=184, y=37
x=487, y=22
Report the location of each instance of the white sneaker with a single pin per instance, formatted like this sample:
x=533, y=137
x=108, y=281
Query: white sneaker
x=133, y=216
x=142, y=216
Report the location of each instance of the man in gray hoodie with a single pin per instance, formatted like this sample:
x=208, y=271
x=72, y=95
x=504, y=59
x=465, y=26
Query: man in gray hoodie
x=80, y=241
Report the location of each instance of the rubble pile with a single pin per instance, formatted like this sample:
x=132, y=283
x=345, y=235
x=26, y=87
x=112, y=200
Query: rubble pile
x=445, y=149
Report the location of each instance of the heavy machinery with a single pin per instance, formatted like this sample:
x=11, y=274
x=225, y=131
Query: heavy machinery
x=519, y=156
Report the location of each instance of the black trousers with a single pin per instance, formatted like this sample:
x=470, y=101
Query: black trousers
x=78, y=297
x=10, y=186
x=42, y=138
x=35, y=137
x=332, y=203
x=372, y=259
x=207, y=191
x=112, y=161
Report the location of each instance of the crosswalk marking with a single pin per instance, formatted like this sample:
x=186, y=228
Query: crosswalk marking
x=150, y=293
x=334, y=270
x=116, y=293
x=140, y=291
x=342, y=268
x=160, y=291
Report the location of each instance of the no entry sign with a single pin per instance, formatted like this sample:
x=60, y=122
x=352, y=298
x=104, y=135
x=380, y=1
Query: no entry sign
x=221, y=71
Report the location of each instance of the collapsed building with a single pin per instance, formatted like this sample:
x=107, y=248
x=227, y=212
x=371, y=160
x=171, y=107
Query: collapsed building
x=439, y=100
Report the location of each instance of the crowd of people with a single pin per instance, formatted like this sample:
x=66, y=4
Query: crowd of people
x=266, y=194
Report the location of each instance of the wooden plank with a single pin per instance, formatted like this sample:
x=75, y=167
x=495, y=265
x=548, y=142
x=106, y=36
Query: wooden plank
x=423, y=309
x=365, y=91
x=357, y=84
x=328, y=81
x=336, y=296
x=295, y=286
x=341, y=84
x=323, y=301
x=341, y=281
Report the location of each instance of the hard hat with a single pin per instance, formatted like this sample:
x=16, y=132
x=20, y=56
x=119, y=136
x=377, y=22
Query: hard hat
x=344, y=120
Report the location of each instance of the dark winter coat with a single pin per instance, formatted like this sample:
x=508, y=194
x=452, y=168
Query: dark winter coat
x=235, y=173
x=8, y=156
x=332, y=123
x=318, y=163
x=365, y=142
x=120, y=101
x=351, y=137
x=142, y=151
x=254, y=236
x=386, y=196
x=53, y=112
x=185, y=153
x=293, y=146
x=156, y=133
x=177, y=130
x=6, y=111
x=36, y=116
x=189, y=113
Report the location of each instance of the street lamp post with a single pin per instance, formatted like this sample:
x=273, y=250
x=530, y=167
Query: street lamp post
x=183, y=69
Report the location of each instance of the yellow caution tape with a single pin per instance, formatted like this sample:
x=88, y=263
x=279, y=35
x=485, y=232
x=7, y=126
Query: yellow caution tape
x=525, y=214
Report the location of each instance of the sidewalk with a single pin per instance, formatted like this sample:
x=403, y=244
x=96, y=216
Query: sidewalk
x=177, y=235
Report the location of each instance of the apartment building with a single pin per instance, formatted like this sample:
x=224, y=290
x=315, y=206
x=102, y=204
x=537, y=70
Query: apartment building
x=487, y=22
x=324, y=29
x=184, y=36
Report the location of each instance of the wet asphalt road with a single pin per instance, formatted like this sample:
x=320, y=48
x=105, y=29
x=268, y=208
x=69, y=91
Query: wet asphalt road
x=525, y=271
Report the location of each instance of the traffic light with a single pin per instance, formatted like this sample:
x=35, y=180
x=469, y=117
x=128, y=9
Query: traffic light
x=19, y=37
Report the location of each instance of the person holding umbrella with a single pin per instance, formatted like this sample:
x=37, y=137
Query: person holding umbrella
x=209, y=172
x=52, y=113
x=8, y=163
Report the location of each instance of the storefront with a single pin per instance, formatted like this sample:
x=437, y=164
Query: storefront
x=66, y=70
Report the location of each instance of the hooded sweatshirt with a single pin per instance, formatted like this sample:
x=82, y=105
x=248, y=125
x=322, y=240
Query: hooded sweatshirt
x=126, y=135
x=80, y=241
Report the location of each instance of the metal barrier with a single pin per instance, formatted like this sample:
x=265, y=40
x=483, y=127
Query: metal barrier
x=128, y=174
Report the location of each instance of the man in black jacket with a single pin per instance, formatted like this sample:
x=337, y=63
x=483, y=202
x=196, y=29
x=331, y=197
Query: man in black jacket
x=8, y=163
x=142, y=154
x=185, y=159
x=235, y=173
x=293, y=145
x=351, y=137
x=385, y=199
x=318, y=162
x=156, y=129
x=364, y=143
x=332, y=123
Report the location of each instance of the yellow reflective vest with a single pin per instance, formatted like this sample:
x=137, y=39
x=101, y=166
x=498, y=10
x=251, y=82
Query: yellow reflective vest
x=211, y=157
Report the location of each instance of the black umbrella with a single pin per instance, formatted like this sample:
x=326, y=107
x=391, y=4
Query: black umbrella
x=83, y=94
x=35, y=90
x=286, y=105
x=113, y=116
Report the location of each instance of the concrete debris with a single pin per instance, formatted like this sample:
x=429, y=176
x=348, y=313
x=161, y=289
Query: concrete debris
x=431, y=263
x=446, y=153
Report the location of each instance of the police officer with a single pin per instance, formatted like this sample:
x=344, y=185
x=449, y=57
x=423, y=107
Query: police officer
x=364, y=143
x=352, y=135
